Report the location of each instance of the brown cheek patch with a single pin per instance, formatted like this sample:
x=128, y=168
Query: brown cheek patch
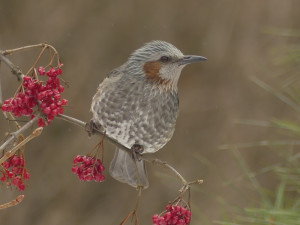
x=152, y=72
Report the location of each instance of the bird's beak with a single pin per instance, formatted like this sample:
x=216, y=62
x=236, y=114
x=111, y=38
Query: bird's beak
x=192, y=59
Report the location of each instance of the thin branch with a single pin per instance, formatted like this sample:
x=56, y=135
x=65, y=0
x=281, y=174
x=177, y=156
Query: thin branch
x=133, y=214
x=172, y=169
x=7, y=52
x=72, y=120
x=17, y=133
x=37, y=60
x=42, y=45
x=14, y=69
x=13, y=202
x=11, y=152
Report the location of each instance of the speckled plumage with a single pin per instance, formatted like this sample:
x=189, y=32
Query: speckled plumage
x=138, y=113
x=136, y=104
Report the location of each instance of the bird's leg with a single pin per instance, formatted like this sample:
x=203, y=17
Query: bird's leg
x=91, y=127
x=136, y=151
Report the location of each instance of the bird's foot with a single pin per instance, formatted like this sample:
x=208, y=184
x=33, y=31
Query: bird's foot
x=136, y=151
x=92, y=127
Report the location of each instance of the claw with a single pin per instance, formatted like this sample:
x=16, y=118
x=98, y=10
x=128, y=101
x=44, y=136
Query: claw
x=137, y=150
x=92, y=127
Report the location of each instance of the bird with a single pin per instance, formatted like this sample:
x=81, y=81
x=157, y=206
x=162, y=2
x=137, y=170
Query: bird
x=137, y=105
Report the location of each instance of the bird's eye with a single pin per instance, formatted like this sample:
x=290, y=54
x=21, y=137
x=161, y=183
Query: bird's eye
x=164, y=59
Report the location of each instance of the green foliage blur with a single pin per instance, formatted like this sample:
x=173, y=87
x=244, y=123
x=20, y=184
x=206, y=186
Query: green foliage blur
x=280, y=203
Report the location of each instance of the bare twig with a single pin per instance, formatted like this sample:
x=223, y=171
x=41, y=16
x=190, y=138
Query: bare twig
x=72, y=120
x=172, y=169
x=13, y=202
x=37, y=60
x=41, y=45
x=7, y=52
x=11, y=152
x=14, y=69
x=17, y=133
x=133, y=214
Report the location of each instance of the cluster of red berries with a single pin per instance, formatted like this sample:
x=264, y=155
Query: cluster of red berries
x=88, y=168
x=14, y=172
x=46, y=96
x=174, y=215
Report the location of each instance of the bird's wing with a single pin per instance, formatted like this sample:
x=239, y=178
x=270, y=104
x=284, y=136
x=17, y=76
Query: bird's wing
x=107, y=83
x=111, y=77
x=116, y=72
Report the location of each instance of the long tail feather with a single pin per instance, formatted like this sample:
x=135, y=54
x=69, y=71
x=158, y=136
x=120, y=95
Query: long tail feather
x=127, y=170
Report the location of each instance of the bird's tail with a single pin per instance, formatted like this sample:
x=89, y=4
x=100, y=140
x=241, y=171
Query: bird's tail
x=127, y=170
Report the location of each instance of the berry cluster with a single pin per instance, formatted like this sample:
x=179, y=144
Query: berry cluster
x=47, y=96
x=88, y=168
x=174, y=215
x=14, y=172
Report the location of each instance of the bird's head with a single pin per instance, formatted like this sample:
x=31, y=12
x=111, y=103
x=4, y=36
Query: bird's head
x=161, y=63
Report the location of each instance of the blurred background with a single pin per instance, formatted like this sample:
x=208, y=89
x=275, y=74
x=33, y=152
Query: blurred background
x=240, y=40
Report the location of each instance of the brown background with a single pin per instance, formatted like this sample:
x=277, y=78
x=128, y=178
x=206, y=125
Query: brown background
x=93, y=37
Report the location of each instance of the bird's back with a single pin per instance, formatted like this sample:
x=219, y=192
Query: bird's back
x=134, y=111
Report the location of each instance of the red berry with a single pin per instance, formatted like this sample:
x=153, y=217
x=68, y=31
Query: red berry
x=86, y=168
x=34, y=93
x=26, y=175
x=61, y=88
x=26, y=78
x=43, y=105
x=59, y=71
x=64, y=101
x=10, y=174
x=99, y=177
x=57, y=97
x=5, y=108
x=53, y=106
x=174, y=215
x=15, y=160
x=41, y=122
x=14, y=172
x=60, y=110
x=78, y=159
x=21, y=187
x=47, y=110
x=75, y=169
x=41, y=70
x=6, y=165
